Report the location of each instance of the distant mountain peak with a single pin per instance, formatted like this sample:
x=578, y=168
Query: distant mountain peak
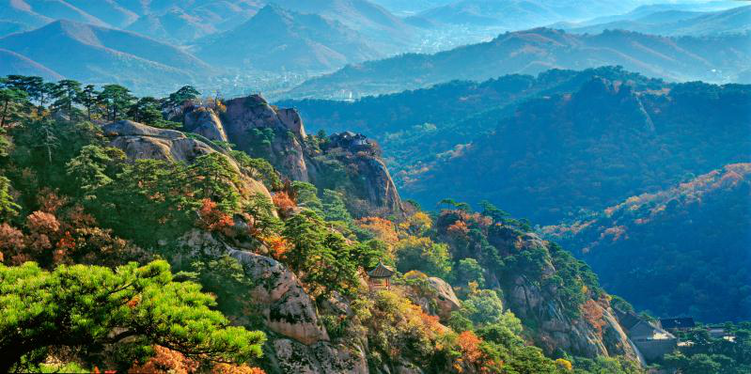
x=75, y=30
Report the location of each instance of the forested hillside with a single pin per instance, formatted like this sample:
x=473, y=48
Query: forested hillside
x=140, y=246
x=418, y=127
x=671, y=255
x=546, y=147
x=589, y=149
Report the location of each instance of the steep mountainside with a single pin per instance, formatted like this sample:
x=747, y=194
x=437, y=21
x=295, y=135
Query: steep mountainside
x=108, y=11
x=361, y=15
x=712, y=59
x=35, y=13
x=279, y=39
x=101, y=55
x=679, y=251
x=595, y=147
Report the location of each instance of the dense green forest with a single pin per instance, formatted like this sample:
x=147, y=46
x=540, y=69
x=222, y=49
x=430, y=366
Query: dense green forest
x=111, y=262
x=547, y=147
x=419, y=127
x=589, y=149
x=672, y=258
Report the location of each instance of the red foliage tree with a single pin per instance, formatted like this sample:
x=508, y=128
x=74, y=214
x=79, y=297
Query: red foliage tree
x=213, y=219
x=166, y=361
x=283, y=201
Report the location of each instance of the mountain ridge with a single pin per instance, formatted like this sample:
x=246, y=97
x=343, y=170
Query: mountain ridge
x=533, y=51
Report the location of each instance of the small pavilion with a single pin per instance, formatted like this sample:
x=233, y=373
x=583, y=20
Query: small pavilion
x=380, y=276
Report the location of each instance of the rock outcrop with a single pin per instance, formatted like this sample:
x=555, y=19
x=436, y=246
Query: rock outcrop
x=140, y=142
x=298, y=342
x=282, y=140
x=286, y=308
x=596, y=332
x=369, y=183
x=204, y=121
x=346, y=162
x=446, y=299
x=434, y=295
x=322, y=357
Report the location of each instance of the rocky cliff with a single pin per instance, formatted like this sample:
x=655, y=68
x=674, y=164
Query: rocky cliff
x=298, y=341
x=278, y=135
x=594, y=333
x=556, y=297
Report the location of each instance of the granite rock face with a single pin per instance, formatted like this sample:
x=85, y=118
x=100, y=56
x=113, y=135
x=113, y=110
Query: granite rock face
x=299, y=343
x=346, y=162
x=286, y=308
x=446, y=299
x=141, y=142
x=530, y=299
x=204, y=121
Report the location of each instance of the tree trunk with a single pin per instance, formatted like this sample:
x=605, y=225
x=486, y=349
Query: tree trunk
x=2, y=119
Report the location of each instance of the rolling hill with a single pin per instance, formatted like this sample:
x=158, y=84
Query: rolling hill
x=712, y=59
x=276, y=39
x=678, y=251
x=100, y=55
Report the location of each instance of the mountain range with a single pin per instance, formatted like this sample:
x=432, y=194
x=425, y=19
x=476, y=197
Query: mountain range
x=523, y=142
x=417, y=127
x=676, y=22
x=100, y=55
x=713, y=59
x=520, y=14
x=277, y=39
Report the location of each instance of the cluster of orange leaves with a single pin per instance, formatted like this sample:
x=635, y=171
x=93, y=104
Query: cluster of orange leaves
x=57, y=229
x=458, y=229
x=616, y=233
x=462, y=222
x=166, y=360
x=278, y=246
x=283, y=201
x=212, y=218
x=235, y=369
x=44, y=234
x=472, y=356
x=592, y=313
x=169, y=361
x=383, y=229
